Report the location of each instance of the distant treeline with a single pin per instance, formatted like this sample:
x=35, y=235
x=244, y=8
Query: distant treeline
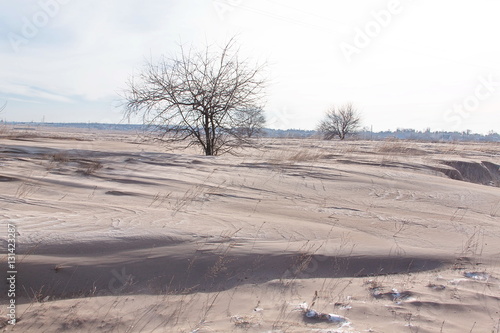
x=401, y=134
x=428, y=135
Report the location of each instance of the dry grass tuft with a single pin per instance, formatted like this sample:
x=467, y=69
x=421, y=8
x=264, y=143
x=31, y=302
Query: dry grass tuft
x=400, y=148
x=86, y=167
x=303, y=155
x=60, y=157
x=91, y=167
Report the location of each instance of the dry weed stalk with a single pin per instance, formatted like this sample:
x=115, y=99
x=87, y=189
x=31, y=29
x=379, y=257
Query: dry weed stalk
x=26, y=189
x=159, y=199
x=474, y=243
x=187, y=198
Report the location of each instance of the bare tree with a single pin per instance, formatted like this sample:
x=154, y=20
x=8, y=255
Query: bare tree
x=201, y=97
x=252, y=122
x=340, y=121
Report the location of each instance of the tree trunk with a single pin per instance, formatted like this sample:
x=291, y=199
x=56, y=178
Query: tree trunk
x=208, y=146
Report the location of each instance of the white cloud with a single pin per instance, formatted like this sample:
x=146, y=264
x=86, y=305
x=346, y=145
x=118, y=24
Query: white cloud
x=31, y=92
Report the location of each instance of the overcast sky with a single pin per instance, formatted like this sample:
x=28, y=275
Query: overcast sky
x=404, y=64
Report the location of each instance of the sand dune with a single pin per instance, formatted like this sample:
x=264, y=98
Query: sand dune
x=123, y=236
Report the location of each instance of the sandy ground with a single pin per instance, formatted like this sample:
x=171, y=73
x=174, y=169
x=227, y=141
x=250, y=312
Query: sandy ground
x=118, y=235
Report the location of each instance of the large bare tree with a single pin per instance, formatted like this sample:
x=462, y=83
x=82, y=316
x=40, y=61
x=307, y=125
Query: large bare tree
x=339, y=121
x=202, y=97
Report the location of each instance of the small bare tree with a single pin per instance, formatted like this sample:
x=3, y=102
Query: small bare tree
x=201, y=97
x=252, y=122
x=339, y=121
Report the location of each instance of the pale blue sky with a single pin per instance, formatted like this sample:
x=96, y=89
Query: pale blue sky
x=405, y=64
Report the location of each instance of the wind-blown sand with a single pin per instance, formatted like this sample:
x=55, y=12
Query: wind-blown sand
x=120, y=236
